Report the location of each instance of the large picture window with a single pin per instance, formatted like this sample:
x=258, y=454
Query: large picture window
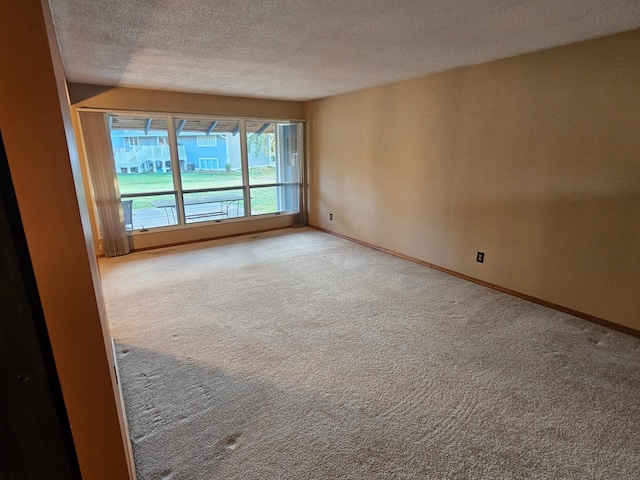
x=173, y=171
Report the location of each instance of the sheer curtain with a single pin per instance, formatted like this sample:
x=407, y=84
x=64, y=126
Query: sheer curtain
x=302, y=217
x=97, y=144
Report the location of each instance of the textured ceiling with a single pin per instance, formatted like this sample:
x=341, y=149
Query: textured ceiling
x=300, y=50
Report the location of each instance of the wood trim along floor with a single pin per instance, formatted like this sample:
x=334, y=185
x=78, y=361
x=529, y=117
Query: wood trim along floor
x=199, y=240
x=524, y=296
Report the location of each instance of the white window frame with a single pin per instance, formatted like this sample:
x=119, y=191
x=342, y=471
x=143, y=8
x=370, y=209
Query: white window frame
x=179, y=190
x=207, y=140
x=133, y=141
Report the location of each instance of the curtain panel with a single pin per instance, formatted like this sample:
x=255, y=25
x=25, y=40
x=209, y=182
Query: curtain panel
x=99, y=154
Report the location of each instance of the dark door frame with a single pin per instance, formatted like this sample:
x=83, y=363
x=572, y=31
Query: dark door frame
x=35, y=436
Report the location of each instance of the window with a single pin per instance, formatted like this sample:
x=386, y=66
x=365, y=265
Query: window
x=208, y=163
x=144, y=173
x=207, y=140
x=192, y=169
x=274, y=173
x=218, y=179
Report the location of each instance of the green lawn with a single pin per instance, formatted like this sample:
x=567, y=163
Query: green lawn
x=263, y=200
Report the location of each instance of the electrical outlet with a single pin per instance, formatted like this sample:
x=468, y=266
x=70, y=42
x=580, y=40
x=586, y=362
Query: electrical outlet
x=480, y=257
x=331, y=216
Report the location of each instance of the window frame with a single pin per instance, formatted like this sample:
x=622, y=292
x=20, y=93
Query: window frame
x=214, y=161
x=179, y=191
x=201, y=143
x=279, y=185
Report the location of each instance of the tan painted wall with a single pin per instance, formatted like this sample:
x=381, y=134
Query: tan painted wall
x=35, y=123
x=534, y=160
x=117, y=98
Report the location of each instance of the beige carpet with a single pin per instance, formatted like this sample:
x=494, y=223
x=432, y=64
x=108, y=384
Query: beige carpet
x=299, y=355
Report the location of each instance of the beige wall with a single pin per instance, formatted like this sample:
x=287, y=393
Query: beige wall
x=35, y=124
x=533, y=160
x=117, y=98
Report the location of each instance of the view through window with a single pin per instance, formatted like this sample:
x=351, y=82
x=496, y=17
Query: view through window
x=179, y=170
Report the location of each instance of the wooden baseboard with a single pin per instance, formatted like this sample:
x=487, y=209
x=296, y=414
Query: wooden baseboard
x=200, y=240
x=188, y=242
x=524, y=296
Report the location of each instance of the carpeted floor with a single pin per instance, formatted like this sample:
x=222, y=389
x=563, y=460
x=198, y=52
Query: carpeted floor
x=298, y=355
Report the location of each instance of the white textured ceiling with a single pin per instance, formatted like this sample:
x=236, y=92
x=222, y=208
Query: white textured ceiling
x=305, y=49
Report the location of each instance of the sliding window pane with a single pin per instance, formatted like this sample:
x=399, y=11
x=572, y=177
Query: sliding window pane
x=284, y=198
x=149, y=211
x=141, y=153
x=272, y=151
x=212, y=152
x=213, y=206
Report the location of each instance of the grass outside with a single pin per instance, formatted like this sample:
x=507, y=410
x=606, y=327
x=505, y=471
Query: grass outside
x=263, y=200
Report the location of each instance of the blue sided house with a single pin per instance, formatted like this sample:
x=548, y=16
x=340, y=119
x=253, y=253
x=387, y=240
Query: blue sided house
x=140, y=149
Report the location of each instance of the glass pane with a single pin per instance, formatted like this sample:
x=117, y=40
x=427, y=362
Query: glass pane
x=284, y=198
x=272, y=151
x=141, y=154
x=208, y=206
x=211, y=150
x=149, y=211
